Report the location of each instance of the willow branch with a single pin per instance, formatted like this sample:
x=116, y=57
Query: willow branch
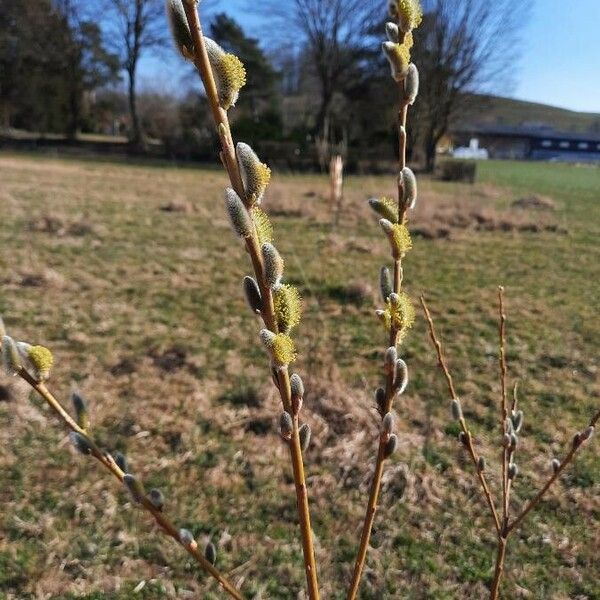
x=467, y=437
x=506, y=449
x=229, y=159
x=577, y=443
x=499, y=568
x=389, y=384
x=107, y=461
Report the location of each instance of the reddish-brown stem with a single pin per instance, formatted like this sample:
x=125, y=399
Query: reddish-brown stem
x=499, y=569
x=506, y=451
x=467, y=437
x=108, y=463
x=562, y=466
x=229, y=159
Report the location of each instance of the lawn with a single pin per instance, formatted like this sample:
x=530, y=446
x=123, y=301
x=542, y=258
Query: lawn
x=131, y=275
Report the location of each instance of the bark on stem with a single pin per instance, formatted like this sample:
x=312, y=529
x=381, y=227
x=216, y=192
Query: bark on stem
x=463, y=425
x=229, y=159
x=109, y=464
x=499, y=570
x=389, y=391
x=506, y=453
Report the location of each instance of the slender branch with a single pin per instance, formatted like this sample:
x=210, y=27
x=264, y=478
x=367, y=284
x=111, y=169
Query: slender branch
x=229, y=159
x=499, y=569
x=389, y=384
x=575, y=446
x=506, y=450
x=110, y=465
x=467, y=437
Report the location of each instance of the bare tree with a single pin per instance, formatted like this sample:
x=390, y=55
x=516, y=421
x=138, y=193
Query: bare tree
x=463, y=46
x=331, y=35
x=132, y=28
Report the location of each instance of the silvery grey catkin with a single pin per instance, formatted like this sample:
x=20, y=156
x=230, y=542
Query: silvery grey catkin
x=409, y=186
x=180, y=28
x=80, y=443
x=273, y=264
x=296, y=386
x=157, y=498
x=241, y=221
x=385, y=283
x=10, y=356
x=392, y=32
x=121, y=462
x=517, y=420
x=252, y=293
x=390, y=446
x=81, y=412
x=391, y=355
x=186, y=537
x=305, y=434
x=456, y=410
x=400, y=377
x=286, y=425
x=411, y=84
x=387, y=425
x=210, y=553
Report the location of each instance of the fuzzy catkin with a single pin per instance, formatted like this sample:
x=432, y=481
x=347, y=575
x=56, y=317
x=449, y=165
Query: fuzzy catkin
x=273, y=264
x=409, y=187
x=228, y=71
x=180, y=28
x=240, y=220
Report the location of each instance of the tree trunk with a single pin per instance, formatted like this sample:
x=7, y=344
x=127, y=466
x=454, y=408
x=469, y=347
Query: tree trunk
x=74, y=111
x=136, y=133
x=430, y=152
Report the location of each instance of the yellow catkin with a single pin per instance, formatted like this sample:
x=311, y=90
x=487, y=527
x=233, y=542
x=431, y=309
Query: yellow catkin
x=41, y=358
x=410, y=14
x=288, y=307
x=283, y=349
x=398, y=56
x=229, y=73
x=264, y=228
x=391, y=209
x=400, y=314
x=402, y=239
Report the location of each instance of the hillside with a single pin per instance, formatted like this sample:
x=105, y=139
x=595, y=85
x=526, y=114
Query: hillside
x=495, y=110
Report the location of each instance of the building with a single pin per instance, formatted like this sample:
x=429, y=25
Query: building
x=531, y=143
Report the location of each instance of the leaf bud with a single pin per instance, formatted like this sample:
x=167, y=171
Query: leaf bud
x=390, y=446
x=305, y=435
x=252, y=293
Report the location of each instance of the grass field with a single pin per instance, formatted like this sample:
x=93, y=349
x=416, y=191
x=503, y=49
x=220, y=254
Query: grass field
x=132, y=276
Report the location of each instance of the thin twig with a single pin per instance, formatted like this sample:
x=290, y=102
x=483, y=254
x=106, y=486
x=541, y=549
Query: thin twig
x=229, y=159
x=499, y=568
x=575, y=446
x=506, y=452
x=467, y=437
x=110, y=465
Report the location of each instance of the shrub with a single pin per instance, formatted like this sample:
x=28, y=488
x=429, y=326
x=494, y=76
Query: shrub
x=457, y=170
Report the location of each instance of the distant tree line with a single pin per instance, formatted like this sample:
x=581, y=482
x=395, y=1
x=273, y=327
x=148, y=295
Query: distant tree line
x=321, y=87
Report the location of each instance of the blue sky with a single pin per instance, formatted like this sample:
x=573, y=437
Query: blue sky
x=561, y=59
x=560, y=63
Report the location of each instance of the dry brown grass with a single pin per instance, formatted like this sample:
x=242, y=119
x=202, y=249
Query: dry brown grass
x=144, y=307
